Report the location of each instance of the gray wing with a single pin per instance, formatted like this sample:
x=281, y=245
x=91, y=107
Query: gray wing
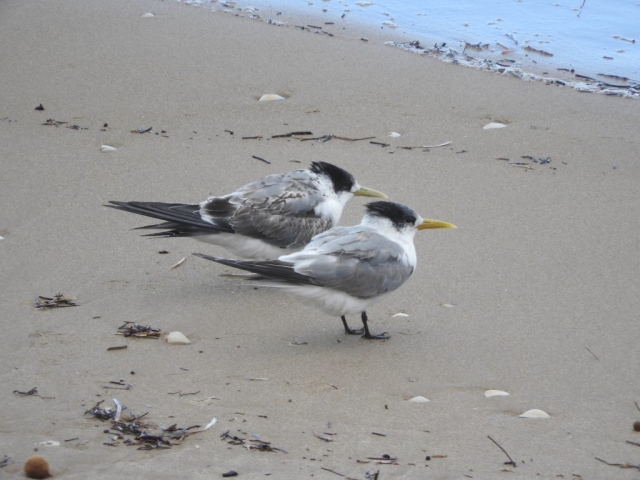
x=278, y=209
x=355, y=260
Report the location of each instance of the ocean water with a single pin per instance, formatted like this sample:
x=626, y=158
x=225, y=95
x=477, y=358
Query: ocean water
x=572, y=40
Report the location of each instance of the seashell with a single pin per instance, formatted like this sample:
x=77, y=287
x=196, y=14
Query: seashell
x=418, y=399
x=177, y=338
x=147, y=15
x=270, y=97
x=390, y=24
x=107, y=148
x=49, y=443
x=36, y=467
x=447, y=305
x=400, y=314
x=1, y=238
x=535, y=413
x=495, y=393
x=394, y=134
x=492, y=125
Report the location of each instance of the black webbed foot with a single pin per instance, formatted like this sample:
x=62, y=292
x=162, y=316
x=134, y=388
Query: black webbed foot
x=379, y=336
x=367, y=333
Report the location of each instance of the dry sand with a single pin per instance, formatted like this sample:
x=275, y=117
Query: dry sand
x=542, y=272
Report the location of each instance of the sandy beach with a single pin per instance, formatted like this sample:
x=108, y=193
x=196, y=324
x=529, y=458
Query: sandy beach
x=535, y=293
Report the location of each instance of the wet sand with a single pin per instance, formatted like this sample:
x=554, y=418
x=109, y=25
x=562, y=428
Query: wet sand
x=535, y=293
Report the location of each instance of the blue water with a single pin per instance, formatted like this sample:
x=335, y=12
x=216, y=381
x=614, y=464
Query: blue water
x=586, y=36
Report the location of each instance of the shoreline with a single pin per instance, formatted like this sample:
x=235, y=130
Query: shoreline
x=513, y=66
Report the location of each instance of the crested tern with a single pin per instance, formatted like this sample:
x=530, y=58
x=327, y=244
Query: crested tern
x=345, y=270
x=264, y=219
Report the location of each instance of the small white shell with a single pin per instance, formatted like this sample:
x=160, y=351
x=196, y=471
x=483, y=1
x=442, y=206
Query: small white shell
x=495, y=393
x=447, y=305
x=535, y=413
x=49, y=443
x=492, y=125
x=177, y=338
x=1, y=238
x=270, y=97
x=394, y=134
x=400, y=314
x=107, y=148
x=419, y=399
x=147, y=15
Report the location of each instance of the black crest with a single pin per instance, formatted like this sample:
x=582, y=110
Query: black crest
x=400, y=215
x=342, y=180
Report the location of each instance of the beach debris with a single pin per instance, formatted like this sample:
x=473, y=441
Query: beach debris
x=621, y=465
x=394, y=134
x=493, y=125
x=119, y=347
x=107, y=148
x=618, y=37
x=261, y=159
x=291, y=134
x=384, y=459
x=447, y=305
x=535, y=413
x=58, y=300
x=444, y=144
x=252, y=444
x=49, y=443
x=131, y=329
x=382, y=144
x=53, y=123
x=1, y=238
x=230, y=473
x=535, y=50
x=510, y=462
x=364, y=4
x=143, y=130
x=177, y=338
x=37, y=466
x=418, y=399
x=5, y=461
x=324, y=439
x=147, y=15
x=178, y=263
x=636, y=426
x=495, y=393
x=270, y=97
x=39, y=108
x=146, y=436
x=389, y=24
x=400, y=314
x=33, y=391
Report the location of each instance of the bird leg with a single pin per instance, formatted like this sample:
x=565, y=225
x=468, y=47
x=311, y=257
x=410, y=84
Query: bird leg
x=348, y=330
x=367, y=334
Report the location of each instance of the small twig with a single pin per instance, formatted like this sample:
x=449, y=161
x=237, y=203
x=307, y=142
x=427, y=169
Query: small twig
x=637, y=406
x=621, y=465
x=510, y=462
x=291, y=134
x=633, y=443
x=339, y=474
x=119, y=347
x=595, y=356
x=261, y=159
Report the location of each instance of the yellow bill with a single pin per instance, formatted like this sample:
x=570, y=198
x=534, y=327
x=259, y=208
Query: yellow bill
x=369, y=192
x=428, y=223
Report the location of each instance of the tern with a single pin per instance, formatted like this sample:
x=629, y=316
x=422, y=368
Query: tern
x=264, y=219
x=345, y=270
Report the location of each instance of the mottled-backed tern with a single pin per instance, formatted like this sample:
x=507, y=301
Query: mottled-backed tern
x=345, y=270
x=264, y=219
